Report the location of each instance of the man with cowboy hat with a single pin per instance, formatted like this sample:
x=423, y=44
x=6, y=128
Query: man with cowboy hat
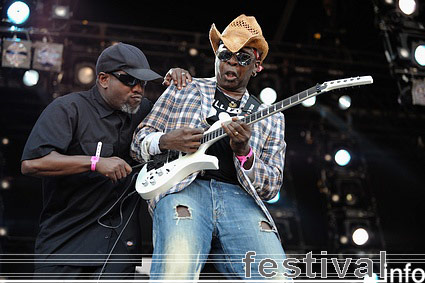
x=217, y=212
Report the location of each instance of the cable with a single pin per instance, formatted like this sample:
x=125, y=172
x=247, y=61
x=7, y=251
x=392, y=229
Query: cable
x=141, y=164
x=109, y=210
x=121, y=218
x=118, y=238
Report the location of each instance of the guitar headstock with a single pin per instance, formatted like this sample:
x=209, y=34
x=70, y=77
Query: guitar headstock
x=348, y=82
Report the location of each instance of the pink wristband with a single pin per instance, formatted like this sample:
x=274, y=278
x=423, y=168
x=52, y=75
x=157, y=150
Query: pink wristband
x=243, y=159
x=94, y=160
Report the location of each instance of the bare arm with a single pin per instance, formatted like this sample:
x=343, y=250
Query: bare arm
x=56, y=164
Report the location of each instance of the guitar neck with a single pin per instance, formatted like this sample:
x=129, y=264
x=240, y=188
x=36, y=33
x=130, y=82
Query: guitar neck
x=282, y=105
x=273, y=109
x=291, y=101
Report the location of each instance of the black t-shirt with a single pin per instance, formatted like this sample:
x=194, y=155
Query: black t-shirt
x=223, y=106
x=73, y=125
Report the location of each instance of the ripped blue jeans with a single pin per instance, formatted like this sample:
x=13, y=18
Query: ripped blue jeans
x=216, y=218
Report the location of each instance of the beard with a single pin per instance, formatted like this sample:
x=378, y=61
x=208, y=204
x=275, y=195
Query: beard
x=127, y=108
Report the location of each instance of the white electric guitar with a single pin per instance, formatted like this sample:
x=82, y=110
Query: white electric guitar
x=156, y=181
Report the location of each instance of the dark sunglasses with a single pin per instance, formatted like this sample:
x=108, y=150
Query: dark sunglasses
x=128, y=80
x=244, y=59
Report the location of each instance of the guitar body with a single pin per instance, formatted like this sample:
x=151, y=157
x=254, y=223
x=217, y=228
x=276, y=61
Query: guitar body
x=151, y=183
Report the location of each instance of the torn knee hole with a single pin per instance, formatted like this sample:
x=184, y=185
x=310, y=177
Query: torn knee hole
x=183, y=211
x=265, y=226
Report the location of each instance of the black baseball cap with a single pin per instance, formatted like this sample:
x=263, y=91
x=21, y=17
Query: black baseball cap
x=127, y=58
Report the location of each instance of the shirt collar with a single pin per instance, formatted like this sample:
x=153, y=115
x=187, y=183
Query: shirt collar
x=100, y=104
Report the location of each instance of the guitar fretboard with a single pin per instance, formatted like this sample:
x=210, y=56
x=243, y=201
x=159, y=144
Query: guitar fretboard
x=273, y=109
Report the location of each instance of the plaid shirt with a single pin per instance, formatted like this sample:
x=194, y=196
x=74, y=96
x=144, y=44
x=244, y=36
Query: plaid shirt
x=189, y=107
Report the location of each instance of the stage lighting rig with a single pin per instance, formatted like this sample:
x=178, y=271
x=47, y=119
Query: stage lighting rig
x=402, y=8
x=404, y=43
x=410, y=55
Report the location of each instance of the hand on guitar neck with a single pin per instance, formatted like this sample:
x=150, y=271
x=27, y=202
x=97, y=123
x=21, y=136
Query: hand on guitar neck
x=239, y=133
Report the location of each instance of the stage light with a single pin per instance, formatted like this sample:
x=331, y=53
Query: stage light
x=268, y=95
x=335, y=198
x=85, y=74
x=193, y=52
x=30, y=78
x=419, y=55
x=5, y=141
x=418, y=92
x=60, y=12
x=343, y=240
x=408, y=7
x=5, y=184
x=404, y=53
x=3, y=231
x=360, y=236
x=351, y=199
x=309, y=102
x=344, y=102
x=47, y=56
x=342, y=157
x=18, y=13
x=16, y=53
x=275, y=199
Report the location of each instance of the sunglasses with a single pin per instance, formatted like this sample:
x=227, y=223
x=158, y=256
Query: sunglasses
x=244, y=59
x=128, y=80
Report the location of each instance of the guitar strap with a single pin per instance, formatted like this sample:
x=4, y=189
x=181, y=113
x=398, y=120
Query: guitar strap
x=251, y=105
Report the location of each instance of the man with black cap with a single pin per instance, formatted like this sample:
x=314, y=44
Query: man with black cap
x=217, y=212
x=80, y=147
